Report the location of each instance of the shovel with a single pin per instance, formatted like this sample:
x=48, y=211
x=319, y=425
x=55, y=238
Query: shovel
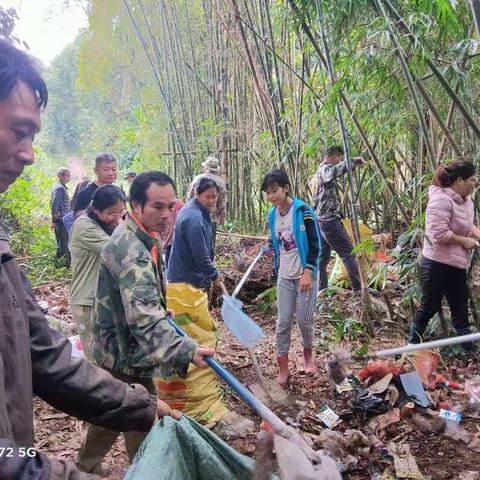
x=247, y=332
x=296, y=458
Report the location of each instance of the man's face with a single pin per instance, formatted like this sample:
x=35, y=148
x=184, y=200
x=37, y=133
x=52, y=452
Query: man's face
x=19, y=122
x=334, y=159
x=157, y=212
x=130, y=179
x=106, y=173
x=65, y=178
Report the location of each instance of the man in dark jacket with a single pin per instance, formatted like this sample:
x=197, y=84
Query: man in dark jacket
x=34, y=360
x=106, y=174
x=60, y=206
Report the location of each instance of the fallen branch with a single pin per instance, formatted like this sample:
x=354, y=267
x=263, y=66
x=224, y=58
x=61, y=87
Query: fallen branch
x=242, y=236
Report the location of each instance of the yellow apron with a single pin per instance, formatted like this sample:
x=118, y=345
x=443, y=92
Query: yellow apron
x=199, y=395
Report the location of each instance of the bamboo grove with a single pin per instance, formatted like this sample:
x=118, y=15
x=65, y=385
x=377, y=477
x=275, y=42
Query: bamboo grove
x=247, y=81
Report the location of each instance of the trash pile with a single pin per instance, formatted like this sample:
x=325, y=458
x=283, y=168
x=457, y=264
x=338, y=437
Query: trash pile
x=386, y=400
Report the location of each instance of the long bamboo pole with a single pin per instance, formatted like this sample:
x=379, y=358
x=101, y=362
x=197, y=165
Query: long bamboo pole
x=313, y=41
x=410, y=82
x=348, y=160
x=159, y=85
x=435, y=70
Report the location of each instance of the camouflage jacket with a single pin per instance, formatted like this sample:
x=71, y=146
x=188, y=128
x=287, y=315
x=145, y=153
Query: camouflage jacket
x=219, y=213
x=328, y=205
x=131, y=333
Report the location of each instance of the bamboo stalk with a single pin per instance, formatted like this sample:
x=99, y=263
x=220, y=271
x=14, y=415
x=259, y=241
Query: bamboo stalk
x=410, y=82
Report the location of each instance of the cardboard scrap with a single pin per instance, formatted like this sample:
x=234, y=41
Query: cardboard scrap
x=383, y=421
x=381, y=385
x=392, y=395
x=404, y=462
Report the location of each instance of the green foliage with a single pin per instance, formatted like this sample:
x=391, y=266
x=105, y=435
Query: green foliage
x=267, y=300
x=26, y=204
x=345, y=328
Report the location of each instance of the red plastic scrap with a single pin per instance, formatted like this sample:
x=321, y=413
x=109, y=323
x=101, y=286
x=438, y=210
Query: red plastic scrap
x=426, y=363
x=378, y=369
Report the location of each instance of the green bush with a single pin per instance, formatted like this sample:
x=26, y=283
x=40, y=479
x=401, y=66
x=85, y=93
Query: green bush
x=25, y=215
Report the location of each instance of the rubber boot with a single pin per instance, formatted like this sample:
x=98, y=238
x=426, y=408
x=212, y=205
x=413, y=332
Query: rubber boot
x=309, y=361
x=283, y=374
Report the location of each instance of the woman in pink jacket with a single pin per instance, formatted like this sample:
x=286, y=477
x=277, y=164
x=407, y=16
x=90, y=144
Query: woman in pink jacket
x=449, y=239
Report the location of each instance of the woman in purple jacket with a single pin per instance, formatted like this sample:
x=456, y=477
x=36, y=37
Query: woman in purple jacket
x=449, y=239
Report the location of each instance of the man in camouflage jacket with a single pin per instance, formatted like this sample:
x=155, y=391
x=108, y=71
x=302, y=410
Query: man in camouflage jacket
x=132, y=338
x=329, y=213
x=131, y=331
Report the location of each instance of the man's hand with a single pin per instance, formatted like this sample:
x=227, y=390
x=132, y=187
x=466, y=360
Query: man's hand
x=164, y=410
x=53, y=226
x=170, y=313
x=358, y=161
x=201, y=352
x=305, y=283
x=470, y=243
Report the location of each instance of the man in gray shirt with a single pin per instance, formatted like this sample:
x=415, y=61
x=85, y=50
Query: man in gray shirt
x=60, y=206
x=329, y=213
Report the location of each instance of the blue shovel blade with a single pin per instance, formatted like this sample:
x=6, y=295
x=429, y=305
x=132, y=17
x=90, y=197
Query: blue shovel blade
x=239, y=323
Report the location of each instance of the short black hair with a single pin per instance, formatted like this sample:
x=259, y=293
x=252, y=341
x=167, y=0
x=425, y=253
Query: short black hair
x=139, y=187
x=334, y=151
x=17, y=66
x=104, y=157
x=107, y=196
x=275, y=177
x=205, y=184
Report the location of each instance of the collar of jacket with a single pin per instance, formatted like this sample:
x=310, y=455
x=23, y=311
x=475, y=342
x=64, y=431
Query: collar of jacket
x=142, y=234
x=205, y=211
x=5, y=250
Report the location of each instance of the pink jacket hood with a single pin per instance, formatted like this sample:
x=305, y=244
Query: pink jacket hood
x=448, y=213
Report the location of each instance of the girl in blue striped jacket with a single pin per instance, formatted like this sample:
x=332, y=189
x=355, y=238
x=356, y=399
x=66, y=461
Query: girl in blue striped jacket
x=295, y=240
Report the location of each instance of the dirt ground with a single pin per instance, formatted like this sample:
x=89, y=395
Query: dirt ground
x=438, y=457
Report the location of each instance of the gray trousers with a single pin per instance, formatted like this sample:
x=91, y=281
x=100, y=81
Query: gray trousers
x=290, y=301
x=334, y=236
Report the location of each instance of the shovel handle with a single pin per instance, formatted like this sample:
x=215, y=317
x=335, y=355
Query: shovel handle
x=444, y=342
x=247, y=274
x=246, y=395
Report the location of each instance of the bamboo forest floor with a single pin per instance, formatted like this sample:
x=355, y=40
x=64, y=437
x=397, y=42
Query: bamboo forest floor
x=438, y=457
